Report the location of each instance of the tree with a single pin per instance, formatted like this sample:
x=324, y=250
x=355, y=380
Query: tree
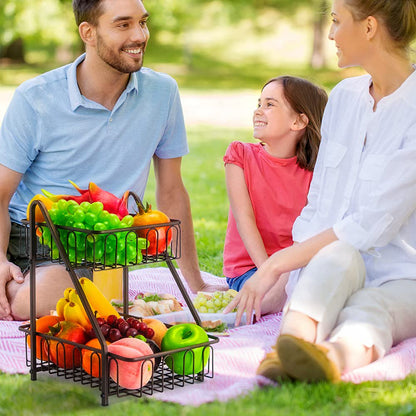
x=317, y=8
x=37, y=23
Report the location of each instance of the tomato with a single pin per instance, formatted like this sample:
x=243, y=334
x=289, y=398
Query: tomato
x=38, y=214
x=43, y=326
x=63, y=354
x=159, y=237
x=91, y=360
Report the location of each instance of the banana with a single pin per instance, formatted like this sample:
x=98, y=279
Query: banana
x=96, y=299
x=60, y=305
x=74, y=313
x=74, y=297
x=67, y=291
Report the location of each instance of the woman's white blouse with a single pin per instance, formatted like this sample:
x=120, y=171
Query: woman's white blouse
x=364, y=184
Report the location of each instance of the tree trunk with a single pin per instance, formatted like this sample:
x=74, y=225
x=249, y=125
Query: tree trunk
x=14, y=51
x=318, y=59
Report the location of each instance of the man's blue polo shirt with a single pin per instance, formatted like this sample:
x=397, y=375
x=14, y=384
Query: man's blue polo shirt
x=52, y=134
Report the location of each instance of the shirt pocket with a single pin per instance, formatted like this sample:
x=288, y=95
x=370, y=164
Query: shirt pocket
x=334, y=155
x=372, y=167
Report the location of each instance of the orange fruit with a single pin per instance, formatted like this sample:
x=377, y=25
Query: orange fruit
x=43, y=325
x=91, y=360
x=159, y=327
x=38, y=214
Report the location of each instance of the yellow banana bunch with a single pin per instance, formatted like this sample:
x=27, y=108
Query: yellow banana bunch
x=75, y=313
x=70, y=308
x=96, y=299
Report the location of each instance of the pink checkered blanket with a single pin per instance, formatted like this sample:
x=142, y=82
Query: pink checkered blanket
x=236, y=357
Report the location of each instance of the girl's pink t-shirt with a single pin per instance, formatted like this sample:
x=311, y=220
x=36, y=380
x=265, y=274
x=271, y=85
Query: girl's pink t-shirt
x=278, y=190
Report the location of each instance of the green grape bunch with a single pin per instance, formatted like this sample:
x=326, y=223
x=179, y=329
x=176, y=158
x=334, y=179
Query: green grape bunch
x=214, y=302
x=85, y=232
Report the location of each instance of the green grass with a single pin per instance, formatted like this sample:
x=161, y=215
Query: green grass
x=46, y=396
x=204, y=178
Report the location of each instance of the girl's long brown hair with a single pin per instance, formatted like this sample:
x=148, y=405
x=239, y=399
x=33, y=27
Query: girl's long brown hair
x=305, y=98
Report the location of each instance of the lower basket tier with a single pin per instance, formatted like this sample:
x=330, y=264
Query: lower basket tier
x=125, y=376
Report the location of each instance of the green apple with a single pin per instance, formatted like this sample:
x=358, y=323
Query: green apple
x=181, y=336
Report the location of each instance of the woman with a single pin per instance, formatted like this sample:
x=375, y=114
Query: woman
x=353, y=297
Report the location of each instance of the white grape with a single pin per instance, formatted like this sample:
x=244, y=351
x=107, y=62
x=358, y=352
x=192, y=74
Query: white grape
x=213, y=302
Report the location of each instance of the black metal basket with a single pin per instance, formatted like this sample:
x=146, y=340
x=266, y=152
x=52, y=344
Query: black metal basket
x=100, y=250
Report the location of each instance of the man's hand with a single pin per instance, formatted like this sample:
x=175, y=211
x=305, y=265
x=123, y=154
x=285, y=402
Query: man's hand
x=205, y=287
x=8, y=272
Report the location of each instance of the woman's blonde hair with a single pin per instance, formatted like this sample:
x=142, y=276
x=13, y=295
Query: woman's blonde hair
x=305, y=98
x=399, y=17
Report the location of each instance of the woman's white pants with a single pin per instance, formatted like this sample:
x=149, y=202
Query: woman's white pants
x=331, y=291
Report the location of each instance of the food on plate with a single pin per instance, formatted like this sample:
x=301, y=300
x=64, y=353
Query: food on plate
x=191, y=361
x=206, y=302
x=150, y=304
x=159, y=237
x=63, y=354
x=214, y=326
x=131, y=374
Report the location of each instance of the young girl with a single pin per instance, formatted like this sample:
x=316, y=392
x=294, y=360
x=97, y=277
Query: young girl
x=268, y=182
x=355, y=293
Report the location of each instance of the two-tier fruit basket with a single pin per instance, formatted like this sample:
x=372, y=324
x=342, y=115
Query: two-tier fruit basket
x=95, y=250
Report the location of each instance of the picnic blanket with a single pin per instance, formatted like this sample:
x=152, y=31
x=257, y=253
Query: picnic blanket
x=236, y=357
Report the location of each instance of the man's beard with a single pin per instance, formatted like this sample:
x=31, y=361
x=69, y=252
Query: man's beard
x=116, y=61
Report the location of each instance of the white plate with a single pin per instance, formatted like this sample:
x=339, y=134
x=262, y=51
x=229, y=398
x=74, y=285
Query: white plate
x=186, y=316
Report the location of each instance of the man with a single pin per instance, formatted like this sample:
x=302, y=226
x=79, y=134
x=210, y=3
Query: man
x=101, y=119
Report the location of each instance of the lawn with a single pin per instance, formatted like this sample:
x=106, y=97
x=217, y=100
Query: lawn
x=204, y=177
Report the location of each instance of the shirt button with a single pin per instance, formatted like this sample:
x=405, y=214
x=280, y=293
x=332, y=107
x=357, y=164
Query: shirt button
x=111, y=119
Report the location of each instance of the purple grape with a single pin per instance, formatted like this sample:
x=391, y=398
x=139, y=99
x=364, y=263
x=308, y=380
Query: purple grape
x=101, y=321
x=114, y=334
x=131, y=332
x=123, y=327
x=105, y=329
x=111, y=320
x=149, y=333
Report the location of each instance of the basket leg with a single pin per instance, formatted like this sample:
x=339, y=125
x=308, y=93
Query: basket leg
x=184, y=292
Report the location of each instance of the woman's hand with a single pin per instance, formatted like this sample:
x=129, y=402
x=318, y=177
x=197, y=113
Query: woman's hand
x=290, y=258
x=250, y=297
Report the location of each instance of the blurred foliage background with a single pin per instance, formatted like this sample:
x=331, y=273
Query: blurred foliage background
x=204, y=44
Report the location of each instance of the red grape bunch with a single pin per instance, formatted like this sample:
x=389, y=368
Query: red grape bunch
x=114, y=328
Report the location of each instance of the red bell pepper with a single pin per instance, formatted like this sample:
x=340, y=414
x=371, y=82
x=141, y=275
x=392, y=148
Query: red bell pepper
x=92, y=194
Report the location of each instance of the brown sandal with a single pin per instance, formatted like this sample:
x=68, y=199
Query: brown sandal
x=271, y=367
x=306, y=361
